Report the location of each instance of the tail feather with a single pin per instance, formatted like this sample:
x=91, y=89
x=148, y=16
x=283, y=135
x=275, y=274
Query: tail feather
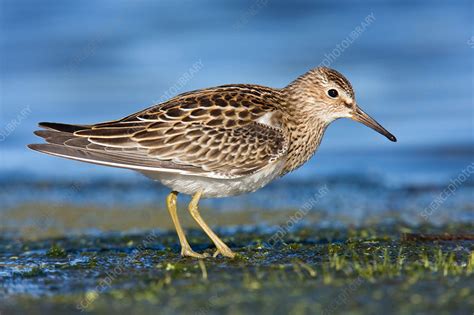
x=62, y=127
x=54, y=137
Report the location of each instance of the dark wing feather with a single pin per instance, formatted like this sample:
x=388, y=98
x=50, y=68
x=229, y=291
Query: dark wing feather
x=214, y=132
x=62, y=127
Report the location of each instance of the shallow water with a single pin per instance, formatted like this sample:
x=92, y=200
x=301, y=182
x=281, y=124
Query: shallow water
x=329, y=270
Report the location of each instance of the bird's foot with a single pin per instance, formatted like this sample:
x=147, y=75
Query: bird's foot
x=224, y=251
x=188, y=252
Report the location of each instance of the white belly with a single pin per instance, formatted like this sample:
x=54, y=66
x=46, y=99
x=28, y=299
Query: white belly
x=216, y=187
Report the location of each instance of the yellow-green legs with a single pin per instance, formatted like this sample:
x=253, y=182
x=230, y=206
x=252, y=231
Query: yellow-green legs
x=186, y=249
x=222, y=248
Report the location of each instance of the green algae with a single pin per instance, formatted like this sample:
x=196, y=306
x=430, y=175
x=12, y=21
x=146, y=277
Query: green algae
x=34, y=272
x=371, y=269
x=56, y=252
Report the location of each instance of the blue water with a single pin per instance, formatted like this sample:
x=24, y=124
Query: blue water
x=88, y=61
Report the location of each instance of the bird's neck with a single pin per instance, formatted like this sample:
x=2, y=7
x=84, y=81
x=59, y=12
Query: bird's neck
x=305, y=133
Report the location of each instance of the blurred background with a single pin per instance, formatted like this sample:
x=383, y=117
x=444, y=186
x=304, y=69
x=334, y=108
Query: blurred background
x=410, y=62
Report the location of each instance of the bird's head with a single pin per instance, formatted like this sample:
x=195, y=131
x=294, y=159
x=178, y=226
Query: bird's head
x=328, y=95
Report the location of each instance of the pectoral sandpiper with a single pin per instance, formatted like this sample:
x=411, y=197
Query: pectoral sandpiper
x=216, y=142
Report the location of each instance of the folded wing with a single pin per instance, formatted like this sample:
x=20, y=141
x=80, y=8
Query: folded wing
x=215, y=133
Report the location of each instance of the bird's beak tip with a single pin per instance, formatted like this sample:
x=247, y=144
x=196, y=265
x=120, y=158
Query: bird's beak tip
x=362, y=117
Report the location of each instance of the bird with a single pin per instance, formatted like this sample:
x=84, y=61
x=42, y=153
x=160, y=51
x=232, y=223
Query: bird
x=215, y=142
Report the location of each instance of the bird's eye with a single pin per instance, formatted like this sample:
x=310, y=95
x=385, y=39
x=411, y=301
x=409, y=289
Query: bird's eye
x=333, y=93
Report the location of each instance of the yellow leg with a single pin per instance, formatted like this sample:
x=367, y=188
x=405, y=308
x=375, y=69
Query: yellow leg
x=222, y=248
x=186, y=250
